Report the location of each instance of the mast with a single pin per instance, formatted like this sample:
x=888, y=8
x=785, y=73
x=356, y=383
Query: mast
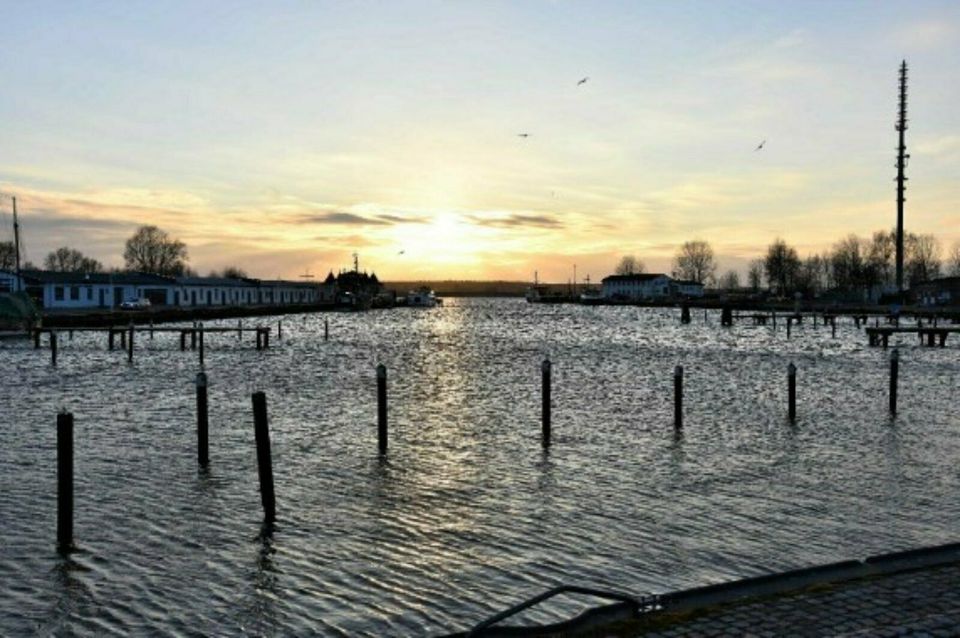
x=902, y=158
x=16, y=242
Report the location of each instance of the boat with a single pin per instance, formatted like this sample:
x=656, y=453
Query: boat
x=591, y=297
x=423, y=298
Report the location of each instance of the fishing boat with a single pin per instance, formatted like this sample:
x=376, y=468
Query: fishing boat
x=423, y=298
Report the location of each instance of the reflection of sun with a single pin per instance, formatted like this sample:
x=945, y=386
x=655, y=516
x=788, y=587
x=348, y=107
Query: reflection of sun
x=446, y=239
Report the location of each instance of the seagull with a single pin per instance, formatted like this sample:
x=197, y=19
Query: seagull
x=523, y=135
x=401, y=252
x=759, y=146
x=583, y=81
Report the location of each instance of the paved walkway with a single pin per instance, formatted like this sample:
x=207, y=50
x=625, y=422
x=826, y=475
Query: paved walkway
x=924, y=602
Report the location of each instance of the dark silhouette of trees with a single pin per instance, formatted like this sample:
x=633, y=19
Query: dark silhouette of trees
x=781, y=266
x=695, y=262
x=953, y=261
x=730, y=280
x=152, y=250
x=629, y=265
x=755, y=274
x=66, y=259
x=921, y=258
x=230, y=272
x=8, y=255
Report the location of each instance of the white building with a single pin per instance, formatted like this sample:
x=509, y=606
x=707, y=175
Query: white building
x=636, y=287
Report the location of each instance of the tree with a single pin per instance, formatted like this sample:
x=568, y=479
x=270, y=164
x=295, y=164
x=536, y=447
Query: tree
x=730, y=280
x=881, y=256
x=781, y=265
x=847, y=263
x=921, y=258
x=153, y=251
x=755, y=274
x=813, y=275
x=65, y=259
x=695, y=261
x=8, y=255
x=629, y=265
x=230, y=272
x=953, y=261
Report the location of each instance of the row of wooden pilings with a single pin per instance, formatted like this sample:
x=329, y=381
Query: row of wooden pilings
x=262, y=435
x=196, y=334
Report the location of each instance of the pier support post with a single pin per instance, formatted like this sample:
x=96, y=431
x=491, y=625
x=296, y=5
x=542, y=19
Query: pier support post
x=201, y=345
x=894, y=377
x=678, y=398
x=789, y=325
x=684, y=313
x=203, y=423
x=130, y=345
x=726, y=316
x=264, y=460
x=382, y=409
x=279, y=328
x=193, y=337
x=123, y=338
x=259, y=339
x=792, y=392
x=53, y=348
x=239, y=329
x=110, y=338
x=833, y=327
x=64, y=482
x=546, y=369
x=326, y=329
x=36, y=338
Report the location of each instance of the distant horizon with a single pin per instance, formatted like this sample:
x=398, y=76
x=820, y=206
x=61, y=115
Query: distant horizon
x=462, y=141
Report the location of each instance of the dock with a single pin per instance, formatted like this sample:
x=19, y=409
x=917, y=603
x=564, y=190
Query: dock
x=880, y=335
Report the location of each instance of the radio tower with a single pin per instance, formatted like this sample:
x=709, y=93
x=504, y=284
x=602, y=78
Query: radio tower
x=902, y=158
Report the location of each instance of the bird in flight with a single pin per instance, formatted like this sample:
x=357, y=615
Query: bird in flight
x=759, y=146
x=401, y=252
x=583, y=81
x=523, y=135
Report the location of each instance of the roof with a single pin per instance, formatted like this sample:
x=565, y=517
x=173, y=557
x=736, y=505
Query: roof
x=687, y=282
x=88, y=279
x=215, y=281
x=634, y=277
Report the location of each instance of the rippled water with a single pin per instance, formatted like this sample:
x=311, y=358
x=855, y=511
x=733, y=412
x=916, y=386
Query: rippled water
x=468, y=515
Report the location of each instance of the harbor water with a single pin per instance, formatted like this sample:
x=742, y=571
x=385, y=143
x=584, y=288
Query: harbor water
x=467, y=514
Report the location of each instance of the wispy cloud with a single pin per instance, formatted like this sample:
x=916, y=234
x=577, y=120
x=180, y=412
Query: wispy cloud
x=515, y=220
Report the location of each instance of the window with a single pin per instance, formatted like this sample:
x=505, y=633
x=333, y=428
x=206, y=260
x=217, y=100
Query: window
x=74, y=293
x=58, y=293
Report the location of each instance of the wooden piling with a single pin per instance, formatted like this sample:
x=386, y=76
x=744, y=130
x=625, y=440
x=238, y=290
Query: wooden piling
x=326, y=329
x=36, y=338
x=792, y=392
x=279, y=328
x=151, y=330
x=123, y=338
x=130, y=345
x=264, y=460
x=64, y=482
x=684, y=313
x=545, y=414
x=203, y=423
x=726, y=316
x=70, y=335
x=110, y=338
x=239, y=329
x=678, y=398
x=833, y=327
x=259, y=339
x=193, y=338
x=183, y=340
x=382, y=408
x=789, y=325
x=201, y=345
x=894, y=377
x=53, y=348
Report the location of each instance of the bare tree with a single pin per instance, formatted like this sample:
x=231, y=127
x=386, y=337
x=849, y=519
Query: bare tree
x=921, y=258
x=234, y=272
x=154, y=251
x=847, y=263
x=8, y=255
x=953, y=261
x=880, y=256
x=813, y=275
x=66, y=259
x=629, y=265
x=729, y=280
x=781, y=265
x=695, y=261
x=755, y=274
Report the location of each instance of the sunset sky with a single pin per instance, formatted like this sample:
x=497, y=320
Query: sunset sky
x=284, y=136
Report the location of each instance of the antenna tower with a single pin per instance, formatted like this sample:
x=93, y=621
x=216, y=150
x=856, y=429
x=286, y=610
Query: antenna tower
x=902, y=158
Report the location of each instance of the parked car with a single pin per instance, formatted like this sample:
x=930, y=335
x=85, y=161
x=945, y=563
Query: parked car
x=135, y=304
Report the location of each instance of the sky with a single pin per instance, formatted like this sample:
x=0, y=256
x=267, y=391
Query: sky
x=283, y=137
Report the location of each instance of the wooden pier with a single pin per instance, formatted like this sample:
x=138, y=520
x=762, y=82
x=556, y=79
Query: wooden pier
x=195, y=334
x=880, y=335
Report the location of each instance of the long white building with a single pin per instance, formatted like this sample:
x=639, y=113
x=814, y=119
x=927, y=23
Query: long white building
x=71, y=290
x=636, y=287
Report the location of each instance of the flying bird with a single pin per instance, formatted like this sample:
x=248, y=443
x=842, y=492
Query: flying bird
x=523, y=135
x=759, y=146
x=401, y=252
x=583, y=81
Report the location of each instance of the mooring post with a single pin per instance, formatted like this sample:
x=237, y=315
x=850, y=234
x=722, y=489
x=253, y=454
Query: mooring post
x=774, y=321
x=678, y=398
x=239, y=329
x=545, y=386
x=193, y=337
x=123, y=338
x=70, y=335
x=326, y=329
x=789, y=325
x=110, y=338
x=894, y=375
x=279, y=328
x=151, y=329
x=36, y=338
x=64, y=482
x=183, y=340
x=203, y=423
x=201, y=345
x=264, y=460
x=684, y=313
x=130, y=345
x=266, y=338
x=53, y=348
x=259, y=339
x=833, y=327
x=382, y=408
x=792, y=392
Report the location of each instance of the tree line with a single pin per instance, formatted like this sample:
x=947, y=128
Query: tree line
x=851, y=264
x=149, y=250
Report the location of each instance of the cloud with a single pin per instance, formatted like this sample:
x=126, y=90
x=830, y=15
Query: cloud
x=516, y=220
x=342, y=218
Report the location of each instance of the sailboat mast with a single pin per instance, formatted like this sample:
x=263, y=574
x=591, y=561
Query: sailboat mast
x=16, y=242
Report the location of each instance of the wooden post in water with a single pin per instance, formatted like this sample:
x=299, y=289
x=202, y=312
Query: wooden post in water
x=259, y=339
x=53, y=348
x=894, y=376
x=382, y=408
x=833, y=327
x=279, y=328
x=792, y=392
x=789, y=325
x=684, y=313
x=130, y=345
x=726, y=316
x=151, y=329
x=110, y=338
x=36, y=338
x=183, y=340
x=264, y=460
x=70, y=335
x=123, y=338
x=203, y=423
x=326, y=329
x=201, y=345
x=545, y=402
x=239, y=329
x=64, y=482
x=678, y=398
x=193, y=337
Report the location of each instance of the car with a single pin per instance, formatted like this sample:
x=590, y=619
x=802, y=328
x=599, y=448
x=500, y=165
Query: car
x=135, y=304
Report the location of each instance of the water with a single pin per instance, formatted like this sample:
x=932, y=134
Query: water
x=468, y=516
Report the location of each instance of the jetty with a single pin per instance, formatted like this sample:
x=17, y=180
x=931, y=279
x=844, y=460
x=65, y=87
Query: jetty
x=880, y=335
